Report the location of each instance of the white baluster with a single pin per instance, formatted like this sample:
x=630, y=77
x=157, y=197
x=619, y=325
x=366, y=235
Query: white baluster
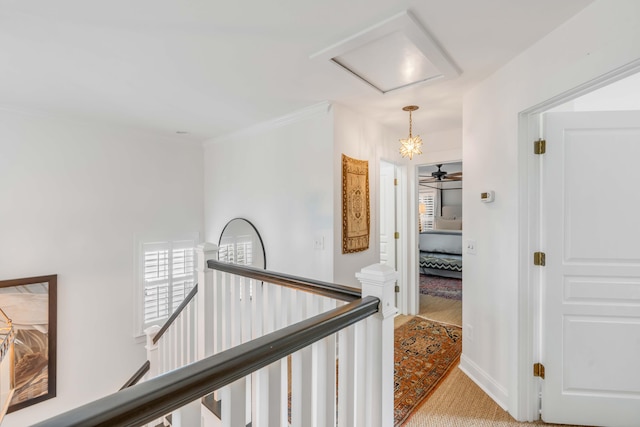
x=256, y=308
x=190, y=329
x=327, y=375
x=218, y=323
x=279, y=385
x=152, y=351
x=262, y=400
x=233, y=400
x=360, y=375
x=205, y=296
x=247, y=314
x=234, y=309
x=225, y=311
x=346, y=377
x=173, y=346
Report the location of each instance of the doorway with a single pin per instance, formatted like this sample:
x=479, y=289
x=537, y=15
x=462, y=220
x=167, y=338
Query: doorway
x=440, y=242
x=587, y=288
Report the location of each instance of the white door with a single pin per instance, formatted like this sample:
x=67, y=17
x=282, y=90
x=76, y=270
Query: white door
x=387, y=214
x=591, y=281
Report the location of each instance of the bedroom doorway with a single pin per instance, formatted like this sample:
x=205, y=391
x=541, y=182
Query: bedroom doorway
x=440, y=242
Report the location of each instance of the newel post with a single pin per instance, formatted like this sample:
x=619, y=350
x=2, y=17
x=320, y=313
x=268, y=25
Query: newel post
x=379, y=280
x=205, y=252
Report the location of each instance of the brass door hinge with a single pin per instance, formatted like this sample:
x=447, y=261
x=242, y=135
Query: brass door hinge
x=539, y=146
x=396, y=235
x=539, y=258
x=538, y=370
x=395, y=181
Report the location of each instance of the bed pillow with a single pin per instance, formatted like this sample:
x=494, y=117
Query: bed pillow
x=452, y=211
x=448, y=224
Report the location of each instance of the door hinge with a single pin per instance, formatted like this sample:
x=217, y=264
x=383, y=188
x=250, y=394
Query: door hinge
x=539, y=146
x=539, y=258
x=395, y=181
x=396, y=235
x=397, y=289
x=538, y=370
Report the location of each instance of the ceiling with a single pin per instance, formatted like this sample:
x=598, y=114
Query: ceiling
x=208, y=68
x=425, y=171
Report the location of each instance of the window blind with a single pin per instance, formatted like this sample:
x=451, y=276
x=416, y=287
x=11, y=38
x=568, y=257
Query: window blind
x=168, y=276
x=427, y=203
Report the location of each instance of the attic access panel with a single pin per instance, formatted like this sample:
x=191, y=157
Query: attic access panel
x=391, y=55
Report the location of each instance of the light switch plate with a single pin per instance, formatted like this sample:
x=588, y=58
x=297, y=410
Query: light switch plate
x=471, y=247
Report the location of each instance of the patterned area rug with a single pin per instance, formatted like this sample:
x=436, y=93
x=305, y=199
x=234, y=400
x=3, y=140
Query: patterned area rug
x=424, y=352
x=444, y=287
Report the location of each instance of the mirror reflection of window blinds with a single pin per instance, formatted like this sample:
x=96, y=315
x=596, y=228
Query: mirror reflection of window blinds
x=237, y=250
x=427, y=203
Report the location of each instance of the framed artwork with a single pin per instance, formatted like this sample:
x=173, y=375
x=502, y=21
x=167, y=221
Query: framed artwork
x=31, y=304
x=355, y=205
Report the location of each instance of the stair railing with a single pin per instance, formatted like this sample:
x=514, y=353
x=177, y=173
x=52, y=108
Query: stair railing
x=277, y=350
x=151, y=399
x=184, y=315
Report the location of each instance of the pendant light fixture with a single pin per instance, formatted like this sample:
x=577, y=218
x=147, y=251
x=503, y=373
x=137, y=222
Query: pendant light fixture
x=411, y=145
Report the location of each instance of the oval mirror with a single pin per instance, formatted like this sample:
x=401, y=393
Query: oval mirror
x=240, y=243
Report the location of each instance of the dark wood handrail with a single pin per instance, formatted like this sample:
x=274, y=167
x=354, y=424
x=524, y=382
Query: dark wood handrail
x=332, y=290
x=137, y=376
x=152, y=399
x=176, y=313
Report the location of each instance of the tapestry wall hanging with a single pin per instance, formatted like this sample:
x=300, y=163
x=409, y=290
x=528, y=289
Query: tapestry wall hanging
x=355, y=205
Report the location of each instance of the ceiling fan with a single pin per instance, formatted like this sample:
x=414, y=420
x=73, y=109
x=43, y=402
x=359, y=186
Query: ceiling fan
x=441, y=176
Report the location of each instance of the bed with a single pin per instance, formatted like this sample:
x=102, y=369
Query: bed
x=441, y=253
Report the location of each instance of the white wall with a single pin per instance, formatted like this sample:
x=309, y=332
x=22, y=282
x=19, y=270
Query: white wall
x=289, y=187
x=619, y=96
x=278, y=176
x=441, y=147
x=72, y=197
x=361, y=138
x=601, y=38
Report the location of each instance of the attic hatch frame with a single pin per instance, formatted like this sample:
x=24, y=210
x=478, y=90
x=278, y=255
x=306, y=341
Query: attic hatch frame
x=405, y=24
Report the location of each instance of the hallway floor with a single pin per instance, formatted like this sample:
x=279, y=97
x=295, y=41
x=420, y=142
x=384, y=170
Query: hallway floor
x=457, y=401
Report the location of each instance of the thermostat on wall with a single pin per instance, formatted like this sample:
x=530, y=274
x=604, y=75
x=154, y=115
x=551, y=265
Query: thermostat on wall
x=487, y=196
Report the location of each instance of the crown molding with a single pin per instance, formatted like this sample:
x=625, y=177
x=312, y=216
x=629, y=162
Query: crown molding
x=320, y=108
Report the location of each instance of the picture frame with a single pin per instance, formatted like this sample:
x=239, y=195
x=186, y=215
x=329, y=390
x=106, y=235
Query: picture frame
x=31, y=304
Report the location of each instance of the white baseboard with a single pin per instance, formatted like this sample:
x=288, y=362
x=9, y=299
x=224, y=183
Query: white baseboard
x=485, y=382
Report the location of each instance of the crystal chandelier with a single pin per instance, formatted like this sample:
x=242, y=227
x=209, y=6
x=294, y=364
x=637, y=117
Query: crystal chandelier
x=411, y=145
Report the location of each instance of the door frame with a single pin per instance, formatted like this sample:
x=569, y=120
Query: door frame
x=414, y=231
x=389, y=203
x=404, y=300
x=530, y=128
